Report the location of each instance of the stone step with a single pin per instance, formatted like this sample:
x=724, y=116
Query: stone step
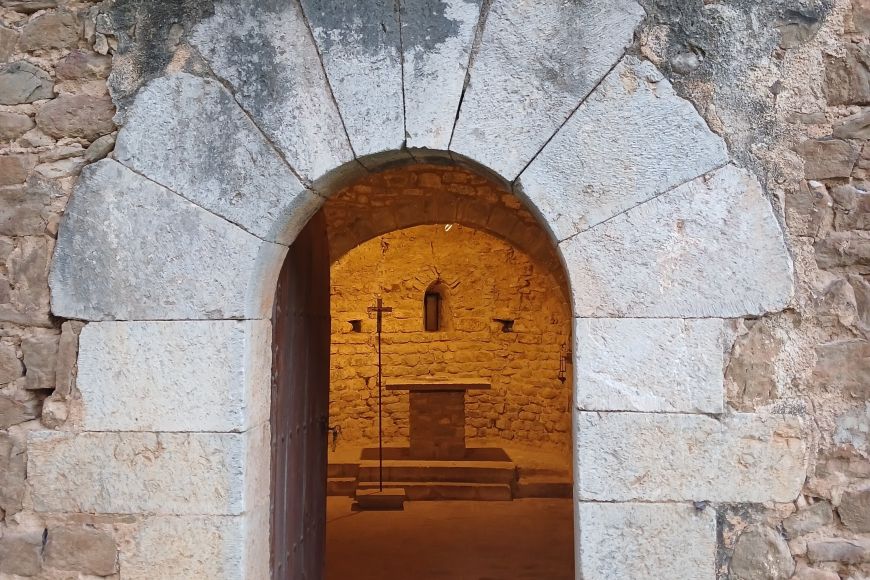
x=373, y=499
x=430, y=491
x=344, y=486
x=543, y=487
x=441, y=471
x=543, y=471
x=344, y=469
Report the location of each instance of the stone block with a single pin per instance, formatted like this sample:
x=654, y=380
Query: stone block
x=841, y=249
x=14, y=411
x=22, y=82
x=854, y=510
x=843, y=550
x=8, y=41
x=436, y=43
x=100, y=148
x=81, y=549
x=828, y=158
x=360, y=47
x=156, y=256
x=761, y=553
x=40, y=354
x=808, y=209
x=646, y=541
x=855, y=126
x=58, y=29
x=21, y=553
x=14, y=125
x=651, y=365
x=27, y=267
x=738, y=458
x=148, y=473
x=847, y=78
x=167, y=548
x=13, y=467
x=809, y=519
x=169, y=135
x=25, y=208
x=266, y=53
x=66, y=367
x=84, y=65
x=175, y=376
x=632, y=139
x=78, y=116
x=11, y=367
x=536, y=62
x=15, y=167
x=709, y=248
x=852, y=208
x=844, y=365
x=752, y=366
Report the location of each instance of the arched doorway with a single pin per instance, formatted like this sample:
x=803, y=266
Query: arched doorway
x=175, y=246
x=503, y=318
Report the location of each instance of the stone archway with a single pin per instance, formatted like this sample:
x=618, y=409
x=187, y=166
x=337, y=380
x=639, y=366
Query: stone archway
x=171, y=252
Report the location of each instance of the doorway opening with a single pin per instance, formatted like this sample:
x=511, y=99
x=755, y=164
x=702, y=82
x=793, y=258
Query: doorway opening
x=475, y=403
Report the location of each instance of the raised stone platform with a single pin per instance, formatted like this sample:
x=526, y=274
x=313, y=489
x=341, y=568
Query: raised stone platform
x=487, y=474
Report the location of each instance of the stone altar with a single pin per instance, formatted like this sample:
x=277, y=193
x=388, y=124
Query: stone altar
x=437, y=414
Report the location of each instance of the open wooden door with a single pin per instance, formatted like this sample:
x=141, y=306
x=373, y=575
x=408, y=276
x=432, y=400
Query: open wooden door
x=300, y=407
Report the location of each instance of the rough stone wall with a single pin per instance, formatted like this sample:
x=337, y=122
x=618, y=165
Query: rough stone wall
x=55, y=117
x=483, y=279
x=787, y=87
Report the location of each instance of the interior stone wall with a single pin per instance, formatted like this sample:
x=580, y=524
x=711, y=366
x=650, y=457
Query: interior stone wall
x=484, y=279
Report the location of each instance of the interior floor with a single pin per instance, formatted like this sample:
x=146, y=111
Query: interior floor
x=461, y=540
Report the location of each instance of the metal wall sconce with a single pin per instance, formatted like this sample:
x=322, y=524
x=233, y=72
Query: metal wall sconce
x=564, y=360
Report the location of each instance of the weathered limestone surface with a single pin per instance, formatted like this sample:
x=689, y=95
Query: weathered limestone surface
x=130, y=249
x=152, y=473
x=761, y=553
x=266, y=53
x=166, y=548
x=650, y=365
x=360, y=46
x=170, y=137
x=175, y=376
x=436, y=44
x=632, y=139
x=536, y=62
x=22, y=82
x=709, y=248
x=677, y=457
x=82, y=549
x=646, y=541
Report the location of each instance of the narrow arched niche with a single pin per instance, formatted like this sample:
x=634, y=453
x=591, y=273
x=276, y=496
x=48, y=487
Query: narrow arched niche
x=437, y=314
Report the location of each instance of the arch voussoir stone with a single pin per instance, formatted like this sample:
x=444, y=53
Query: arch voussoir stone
x=536, y=62
x=266, y=53
x=130, y=249
x=360, y=46
x=437, y=36
x=170, y=135
x=632, y=139
x=709, y=248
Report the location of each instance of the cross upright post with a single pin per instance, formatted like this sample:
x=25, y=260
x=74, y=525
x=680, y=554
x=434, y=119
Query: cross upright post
x=378, y=311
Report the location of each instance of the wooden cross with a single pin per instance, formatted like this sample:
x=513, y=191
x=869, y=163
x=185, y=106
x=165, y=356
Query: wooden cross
x=379, y=309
